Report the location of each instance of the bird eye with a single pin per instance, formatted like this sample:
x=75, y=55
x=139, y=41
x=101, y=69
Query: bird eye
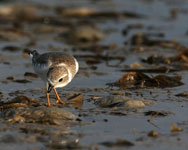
x=60, y=80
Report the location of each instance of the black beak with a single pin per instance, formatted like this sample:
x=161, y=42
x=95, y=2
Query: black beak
x=50, y=87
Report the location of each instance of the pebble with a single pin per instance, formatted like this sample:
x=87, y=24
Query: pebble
x=153, y=134
x=84, y=34
x=30, y=74
x=134, y=104
x=175, y=128
x=41, y=114
x=123, y=101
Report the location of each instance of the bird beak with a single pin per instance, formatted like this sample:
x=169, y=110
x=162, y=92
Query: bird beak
x=50, y=87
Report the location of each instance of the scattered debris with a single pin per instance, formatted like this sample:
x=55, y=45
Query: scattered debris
x=65, y=144
x=141, y=80
x=119, y=92
x=96, y=98
x=157, y=113
x=175, y=63
x=10, y=78
x=11, y=48
x=119, y=142
x=111, y=101
x=162, y=69
x=1, y=95
x=118, y=113
x=131, y=27
x=134, y=104
x=138, y=103
x=76, y=100
x=153, y=134
x=76, y=12
x=16, y=93
x=175, y=128
x=41, y=114
x=30, y=110
x=91, y=13
x=94, y=36
x=83, y=34
x=10, y=35
x=9, y=138
x=155, y=59
x=19, y=12
x=136, y=65
x=106, y=58
x=14, y=105
x=19, y=101
x=184, y=94
x=22, y=81
x=143, y=39
x=123, y=102
x=181, y=57
x=30, y=74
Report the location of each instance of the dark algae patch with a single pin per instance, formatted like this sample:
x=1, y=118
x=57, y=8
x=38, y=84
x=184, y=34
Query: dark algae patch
x=141, y=80
x=184, y=94
x=118, y=143
x=30, y=74
x=157, y=113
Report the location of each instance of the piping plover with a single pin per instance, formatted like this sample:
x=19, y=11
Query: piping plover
x=56, y=69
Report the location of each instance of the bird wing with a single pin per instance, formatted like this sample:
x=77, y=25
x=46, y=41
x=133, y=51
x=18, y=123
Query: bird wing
x=41, y=65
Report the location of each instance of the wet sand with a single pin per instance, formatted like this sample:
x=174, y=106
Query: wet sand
x=130, y=91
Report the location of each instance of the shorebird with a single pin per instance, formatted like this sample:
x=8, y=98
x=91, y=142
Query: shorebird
x=56, y=69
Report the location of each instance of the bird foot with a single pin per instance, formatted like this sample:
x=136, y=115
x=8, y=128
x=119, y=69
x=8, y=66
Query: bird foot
x=60, y=101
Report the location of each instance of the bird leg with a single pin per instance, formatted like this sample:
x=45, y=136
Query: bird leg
x=58, y=98
x=48, y=98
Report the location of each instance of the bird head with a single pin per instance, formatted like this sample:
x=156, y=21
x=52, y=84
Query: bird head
x=57, y=77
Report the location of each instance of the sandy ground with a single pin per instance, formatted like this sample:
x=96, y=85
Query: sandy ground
x=130, y=91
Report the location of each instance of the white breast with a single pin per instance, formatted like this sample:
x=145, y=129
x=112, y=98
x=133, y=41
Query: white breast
x=77, y=65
